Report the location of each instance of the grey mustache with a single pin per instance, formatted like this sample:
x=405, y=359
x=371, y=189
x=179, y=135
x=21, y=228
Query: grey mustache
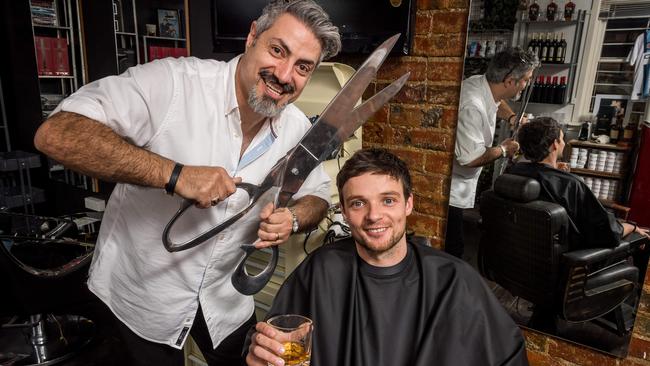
x=269, y=77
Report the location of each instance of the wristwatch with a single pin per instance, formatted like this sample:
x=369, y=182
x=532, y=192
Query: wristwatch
x=294, y=221
x=504, y=153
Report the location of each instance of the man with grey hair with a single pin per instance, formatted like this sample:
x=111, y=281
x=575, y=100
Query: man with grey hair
x=193, y=128
x=482, y=100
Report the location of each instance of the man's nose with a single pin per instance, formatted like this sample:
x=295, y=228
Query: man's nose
x=374, y=212
x=283, y=72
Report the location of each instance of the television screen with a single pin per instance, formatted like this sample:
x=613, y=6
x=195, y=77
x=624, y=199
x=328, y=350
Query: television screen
x=363, y=24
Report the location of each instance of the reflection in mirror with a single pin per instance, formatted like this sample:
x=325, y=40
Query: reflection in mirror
x=565, y=253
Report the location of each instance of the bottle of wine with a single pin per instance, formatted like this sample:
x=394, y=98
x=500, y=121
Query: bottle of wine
x=547, y=97
x=534, y=95
x=543, y=46
x=533, y=11
x=560, y=52
x=614, y=130
x=532, y=43
x=551, y=11
x=552, y=47
x=569, y=8
x=560, y=91
x=552, y=91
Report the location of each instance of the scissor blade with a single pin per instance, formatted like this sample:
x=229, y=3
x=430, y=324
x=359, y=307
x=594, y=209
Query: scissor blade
x=341, y=105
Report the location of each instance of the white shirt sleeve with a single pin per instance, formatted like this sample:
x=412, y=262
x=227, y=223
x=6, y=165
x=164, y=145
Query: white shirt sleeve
x=133, y=104
x=317, y=184
x=470, y=142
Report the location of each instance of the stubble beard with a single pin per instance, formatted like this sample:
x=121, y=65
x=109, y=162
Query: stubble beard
x=264, y=105
x=382, y=249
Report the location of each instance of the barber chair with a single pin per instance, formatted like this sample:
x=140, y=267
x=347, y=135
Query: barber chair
x=43, y=269
x=525, y=249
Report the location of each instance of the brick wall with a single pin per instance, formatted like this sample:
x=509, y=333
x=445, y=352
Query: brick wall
x=419, y=125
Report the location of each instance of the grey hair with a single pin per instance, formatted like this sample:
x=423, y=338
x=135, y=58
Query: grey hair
x=310, y=14
x=512, y=61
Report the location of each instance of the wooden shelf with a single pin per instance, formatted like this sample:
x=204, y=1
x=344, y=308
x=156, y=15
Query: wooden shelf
x=165, y=38
x=594, y=145
x=56, y=76
x=57, y=27
x=597, y=173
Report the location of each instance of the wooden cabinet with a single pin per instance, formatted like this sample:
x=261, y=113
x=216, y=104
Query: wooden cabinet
x=604, y=168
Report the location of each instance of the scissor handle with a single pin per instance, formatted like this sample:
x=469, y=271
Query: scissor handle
x=254, y=193
x=250, y=285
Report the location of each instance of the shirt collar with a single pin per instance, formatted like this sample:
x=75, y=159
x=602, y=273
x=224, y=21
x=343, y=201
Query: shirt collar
x=487, y=96
x=231, y=91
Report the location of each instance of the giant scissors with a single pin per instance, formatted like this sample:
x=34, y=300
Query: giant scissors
x=337, y=122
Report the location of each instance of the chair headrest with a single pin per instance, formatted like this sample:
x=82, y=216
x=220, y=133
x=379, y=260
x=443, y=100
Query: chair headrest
x=517, y=187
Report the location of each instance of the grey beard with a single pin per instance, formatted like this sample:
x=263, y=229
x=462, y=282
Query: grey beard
x=263, y=105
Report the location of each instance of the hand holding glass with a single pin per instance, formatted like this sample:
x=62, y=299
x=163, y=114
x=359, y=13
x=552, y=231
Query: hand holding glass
x=294, y=332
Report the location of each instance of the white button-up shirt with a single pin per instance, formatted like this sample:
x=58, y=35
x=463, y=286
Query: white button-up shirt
x=186, y=110
x=477, y=114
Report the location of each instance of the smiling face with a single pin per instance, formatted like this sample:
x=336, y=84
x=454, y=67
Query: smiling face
x=375, y=207
x=276, y=65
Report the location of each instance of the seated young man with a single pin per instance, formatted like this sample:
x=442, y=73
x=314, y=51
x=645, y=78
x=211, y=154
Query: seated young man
x=542, y=142
x=377, y=299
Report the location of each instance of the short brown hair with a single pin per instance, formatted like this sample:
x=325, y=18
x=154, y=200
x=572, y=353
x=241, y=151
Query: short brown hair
x=375, y=161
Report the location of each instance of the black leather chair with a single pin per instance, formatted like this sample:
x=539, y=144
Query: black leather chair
x=525, y=249
x=43, y=269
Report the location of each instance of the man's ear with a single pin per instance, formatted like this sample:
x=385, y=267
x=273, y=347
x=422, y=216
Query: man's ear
x=252, y=34
x=409, y=204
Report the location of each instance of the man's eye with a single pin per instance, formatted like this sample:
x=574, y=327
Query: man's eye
x=276, y=50
x=389, y=201
x=357, y=203
x=304, y=69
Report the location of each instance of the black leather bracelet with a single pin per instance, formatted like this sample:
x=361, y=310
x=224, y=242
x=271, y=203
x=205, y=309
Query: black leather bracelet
x=171, y=185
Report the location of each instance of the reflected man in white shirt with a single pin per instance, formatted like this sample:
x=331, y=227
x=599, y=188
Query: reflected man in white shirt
x=482, y=100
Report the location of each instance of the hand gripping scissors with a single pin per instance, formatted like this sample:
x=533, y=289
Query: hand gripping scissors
x=337, y=122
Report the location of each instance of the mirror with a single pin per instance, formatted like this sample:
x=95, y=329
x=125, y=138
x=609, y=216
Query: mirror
x=559, y=33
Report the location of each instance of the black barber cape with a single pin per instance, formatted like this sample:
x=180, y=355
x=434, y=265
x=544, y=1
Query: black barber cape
x=430, y=309
x=592, y=226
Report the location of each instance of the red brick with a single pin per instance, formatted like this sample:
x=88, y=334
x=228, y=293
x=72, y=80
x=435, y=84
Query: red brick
x=430, y=139
x=431, y=185
x=438, y=163
x=535, y=341
x=542, y=359
x=410, y=93
x=395, y=67
x=579, y=354
x=430, y=206
x=445, y=70
x=423, y=22
x=449, y=119
x=415, y=116
x=443, y=94
x=439, y=45
x=449, y=22
x=442, y=4
x=375, y=132
x=436, y=242
x=642, y=324
x=381, y=116
x=639, y=348
x=425, y=225
x=370, y=91
x=413, y=158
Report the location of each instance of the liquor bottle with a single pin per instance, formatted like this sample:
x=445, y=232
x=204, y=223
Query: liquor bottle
x=614, y=130
x=560, y=52
x=547, y=96
x=551, y=11
x=489, y=49
x=552, y=47
x=560, y=91
x=532, y=43
x=533, y=11
x=542, y=90
x=552, y=91
x=569, y=8
x=543, y=48
x=534, y=95
x=628, y=134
